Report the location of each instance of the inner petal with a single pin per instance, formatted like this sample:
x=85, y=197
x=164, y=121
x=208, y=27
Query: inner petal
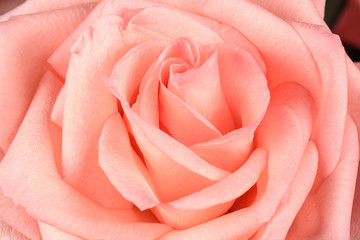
x=200, y=88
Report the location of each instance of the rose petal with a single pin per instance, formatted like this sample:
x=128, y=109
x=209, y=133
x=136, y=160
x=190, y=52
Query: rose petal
x=60, y=58
x=29, y=176
x=128, y=174
x=49, y=232
x=353, y=92
x=227, y=152
x=244, y=84
x=214, y=201
x=318, y=217
x=152, y=18
x=182, y=122
x=243, y=223
x=277, y=44
x=34, y=36
x=130, y=69
x=309, y=11
x=123, y=166
x=16, y=217
x=330, y=123
x=57, y=114
x=88, y=103
x=38, y=6
x=175, y=170
x=200, y=88
x=279, y=225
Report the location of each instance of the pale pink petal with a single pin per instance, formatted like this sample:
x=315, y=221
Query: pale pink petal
x=49, y=232
x=17, y=218
x=60, y=58
x=330, y=122
x=282, y=134
x=123, y=166
x=278, y=226
x=25, y=44
x=246, y=91
x=88, y=103
x=29, y=176
x=244, y=84
x=200, y=88
x=7, y=232
x=128, y=72
x=175, y=170
x=227, y=152
x=37, y=6
x=182, y=122
x=153, y=18
x=354, y=112
x=320, y=217
x=57, y=114
x=309, y=11
x=129, y=175
x=354, y=91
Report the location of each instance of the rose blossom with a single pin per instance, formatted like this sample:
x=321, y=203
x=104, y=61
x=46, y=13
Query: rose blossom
x=177, y=119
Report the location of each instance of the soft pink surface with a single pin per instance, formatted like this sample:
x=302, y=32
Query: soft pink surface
x=177, y=119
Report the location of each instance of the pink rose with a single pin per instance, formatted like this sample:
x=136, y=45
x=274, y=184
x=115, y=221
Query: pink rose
x=177, y=119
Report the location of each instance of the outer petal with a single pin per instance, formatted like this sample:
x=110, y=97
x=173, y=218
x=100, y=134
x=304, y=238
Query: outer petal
x=278, y=226
x=17, y=218
x=354, y=112
x=49, y=232
x=88, y=103
x=34, y=36
x=309, y=11
x=330, y=123
x=29, y=176
x=320, y=217
x=37, y=6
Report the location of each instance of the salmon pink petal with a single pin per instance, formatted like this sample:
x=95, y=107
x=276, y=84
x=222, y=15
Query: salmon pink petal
x=309, y=11
x=353, y=91
x=243, y=223
x=276, y=44
x=175, y=169
x=60, y=58
x=330, y=123
x=49, y=232
x=244, y=84
x=181, y=121
x=34, y=36
x=317, y=217
x=128, y=72
x=215, y=200
x=227, y=152
x=38, y=6
x=17, y=218
x=41, y=191
x=279, y=225
x=88, y=103
x=200, y=88
x=57, y=114
x=152, y=18
x=123, y=166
